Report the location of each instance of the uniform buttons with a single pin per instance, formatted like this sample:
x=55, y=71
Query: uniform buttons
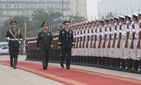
x=46, y=39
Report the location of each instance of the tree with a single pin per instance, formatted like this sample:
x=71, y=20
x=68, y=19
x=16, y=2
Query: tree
x=76, y=19
x=41, y=16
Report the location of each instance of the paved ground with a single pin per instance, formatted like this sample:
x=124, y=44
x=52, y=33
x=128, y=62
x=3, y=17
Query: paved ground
x=10, y=76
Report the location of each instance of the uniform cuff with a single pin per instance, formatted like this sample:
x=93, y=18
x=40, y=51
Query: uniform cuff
x=73, y=43
x=59, y=43
x=7, y=38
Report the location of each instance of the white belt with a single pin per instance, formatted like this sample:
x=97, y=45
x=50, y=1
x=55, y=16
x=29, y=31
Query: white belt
x=14, y=39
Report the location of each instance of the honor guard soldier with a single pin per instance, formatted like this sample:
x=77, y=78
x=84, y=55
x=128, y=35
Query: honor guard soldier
x=110, y=42
x=133, y=39
x=74, y=34
x=44, y=43
x=139, y=16
x=66, y=42
x=78, y=43
x=106, y=42
x=93, y=43
x=120, y=42
x=136, y=42
x=87, y=45
x=113, y=38
x=102, y=44
x=82, y=49
x=123, y=43
x=78, y=57
x=111, y=53
x=127, y=43
x=13, y=37
x=100, y=41
x=117, y=45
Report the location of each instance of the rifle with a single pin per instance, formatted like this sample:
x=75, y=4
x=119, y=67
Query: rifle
x=77, y=42
x=99, y=44
x=133, y=37
x=113, y=45
x=91, y=41
x=95, y=39
x=103, y=46
x=83, y=45
x=118, y=45
x=138, y=44
x=109, y=39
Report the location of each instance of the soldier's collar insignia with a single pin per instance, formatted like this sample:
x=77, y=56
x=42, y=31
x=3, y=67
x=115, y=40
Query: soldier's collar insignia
x=42, y=35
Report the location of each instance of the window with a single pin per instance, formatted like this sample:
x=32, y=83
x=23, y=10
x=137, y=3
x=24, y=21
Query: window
x=1, y=13
x=18, y=13
x=18, y=6
x=5, y=47
x=1, y=6
x=9, y=6
x=15, y=6
x=27, y=6
x=27, y=12
x=6, y=6
x=35, y=5
x=23, y=13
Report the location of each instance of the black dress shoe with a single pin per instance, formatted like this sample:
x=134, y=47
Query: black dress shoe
x=15, y=67
x=11, y=65
x=68, y=68
x=44, y=67
x=62, y=65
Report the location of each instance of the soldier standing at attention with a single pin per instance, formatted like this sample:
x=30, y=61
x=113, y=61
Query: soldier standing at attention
x=66, y=42
x=13, y=36
x=44, y=43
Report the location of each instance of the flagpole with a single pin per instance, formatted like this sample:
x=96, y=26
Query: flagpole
x=25, y=28
x=25, y=35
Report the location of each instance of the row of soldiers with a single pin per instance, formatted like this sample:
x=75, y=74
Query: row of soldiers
x=111, y=43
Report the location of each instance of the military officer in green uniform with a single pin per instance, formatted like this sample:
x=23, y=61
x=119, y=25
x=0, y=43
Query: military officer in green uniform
x=44, y=43
x=66, y=42
x=14, y=37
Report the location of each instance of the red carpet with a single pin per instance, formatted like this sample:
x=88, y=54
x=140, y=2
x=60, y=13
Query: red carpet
x=74, y=76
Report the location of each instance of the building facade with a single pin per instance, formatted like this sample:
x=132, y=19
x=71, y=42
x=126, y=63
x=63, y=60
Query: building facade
x=78, y=7
x=118, y=7
x=10, y=8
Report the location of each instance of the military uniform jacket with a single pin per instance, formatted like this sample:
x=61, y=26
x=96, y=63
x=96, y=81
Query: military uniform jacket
x=44, y=40
x=14, y=37
x=66, y=38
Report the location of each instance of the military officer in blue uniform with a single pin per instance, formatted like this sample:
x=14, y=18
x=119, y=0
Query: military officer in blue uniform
x=44, y=43
x=14, y=37
x=66, y=42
